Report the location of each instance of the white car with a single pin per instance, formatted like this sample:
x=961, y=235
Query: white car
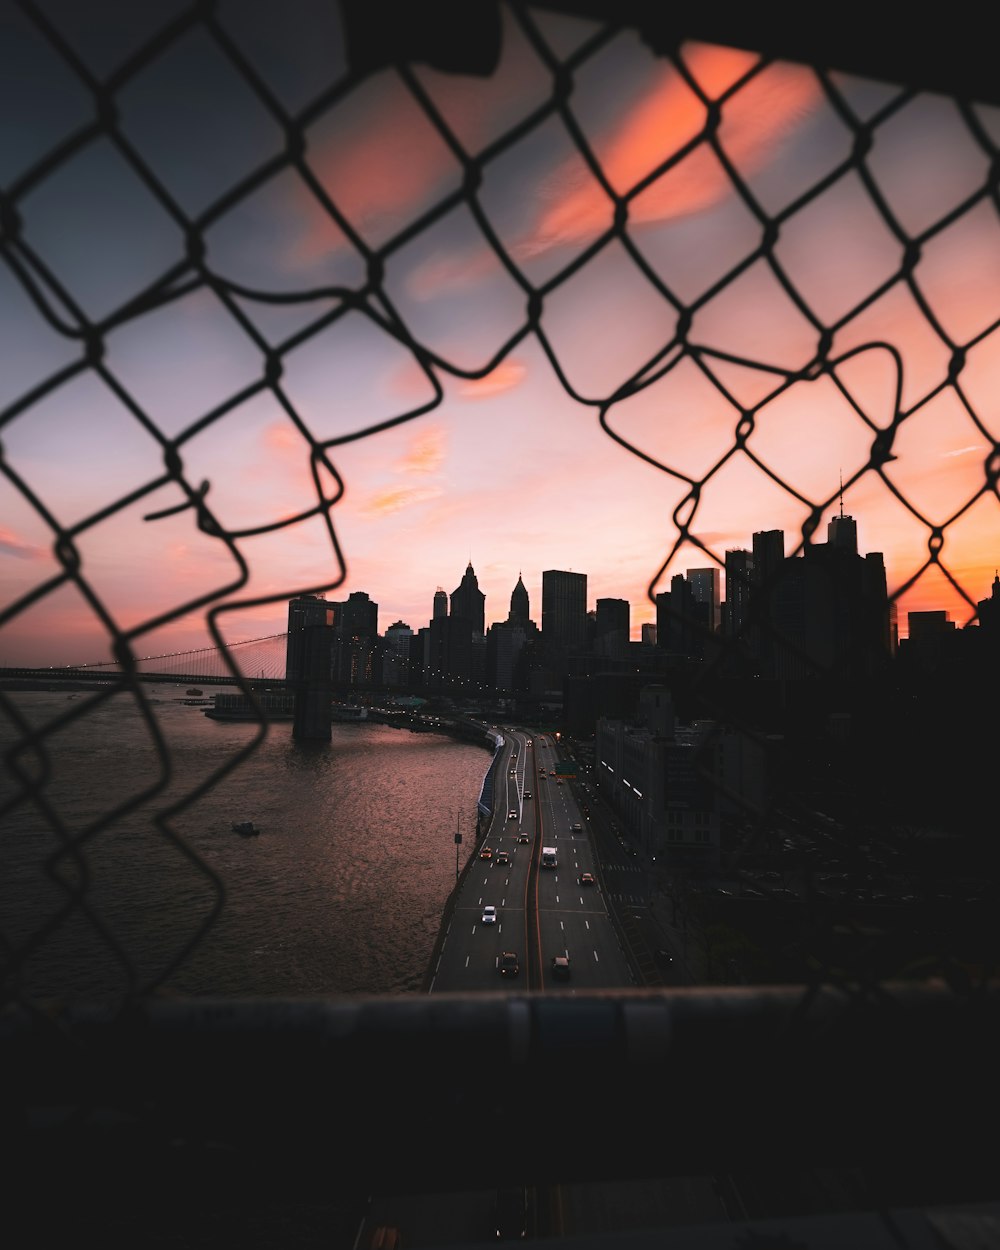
x=489, y=914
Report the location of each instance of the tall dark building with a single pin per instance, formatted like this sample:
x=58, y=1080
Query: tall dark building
x=613, y=626
x=768, y=561
x=308, y=656
x=739, y=572
x=304, y=613
x=564, y=610
x=469, y=603
x=519, y=607
x=830, y=613
x=440, y=603
x=681, y=621
x=356, y=643
x=842, y=532
x=706, y=588
x=989, y=610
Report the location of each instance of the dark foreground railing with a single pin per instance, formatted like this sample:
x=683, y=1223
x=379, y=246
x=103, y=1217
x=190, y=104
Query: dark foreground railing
x=551, y=1088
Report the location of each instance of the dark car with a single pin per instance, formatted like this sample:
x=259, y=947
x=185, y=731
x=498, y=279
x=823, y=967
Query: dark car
x=527, y=794
x=486, y=853
x=501, y=857
x=560, y=967
x=512, y=814
x=510, y=965
x=586, y=878
x=523, y=837
x=512, y=1213
x=576, y=828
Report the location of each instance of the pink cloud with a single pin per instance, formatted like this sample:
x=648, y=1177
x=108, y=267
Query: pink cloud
x=755, y=121
x=12, y=544
x=452, y=271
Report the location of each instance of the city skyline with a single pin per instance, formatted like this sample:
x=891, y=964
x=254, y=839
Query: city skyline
x=429, y=418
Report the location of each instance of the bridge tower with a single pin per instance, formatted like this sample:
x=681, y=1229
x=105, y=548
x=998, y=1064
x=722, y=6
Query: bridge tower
x=307, y=666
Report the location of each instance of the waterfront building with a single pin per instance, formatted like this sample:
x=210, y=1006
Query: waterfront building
x=396, y=658
x=356, y=659
x=306, y=613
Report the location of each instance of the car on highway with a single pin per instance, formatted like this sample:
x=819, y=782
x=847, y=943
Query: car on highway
x=586, y=878
x=560, y=967
x=527, y=794
x=512, y=1213
x=523, y=837
x=576, y=828
x=501, y=857
x=489, y=914
x=486, y=853
x=509, y=964
x=559, y=781
x=512, y=814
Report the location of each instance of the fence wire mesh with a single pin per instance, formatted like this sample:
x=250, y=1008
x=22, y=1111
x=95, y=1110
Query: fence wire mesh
x=128, y=109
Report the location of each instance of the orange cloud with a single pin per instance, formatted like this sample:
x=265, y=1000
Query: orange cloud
x=507, y=374
x=755, y=120
x=379, y=158
x=394, y=499
x=425, y=453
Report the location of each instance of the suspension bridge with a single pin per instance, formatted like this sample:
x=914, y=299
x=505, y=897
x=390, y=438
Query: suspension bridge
x=257, y=661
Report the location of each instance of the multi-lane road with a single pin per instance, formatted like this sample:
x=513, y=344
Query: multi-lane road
x=540, y=914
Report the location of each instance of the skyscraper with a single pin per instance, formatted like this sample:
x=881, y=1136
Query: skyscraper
x=356, y=642
x=706, y=587
x=440, y=603
x=396, y=662
x=304, y=614
x=308, y=657
x=768, y=562
x=564, y=613
x=612, y=634
x=519, y=607
x=469, y=603
x=739, y=570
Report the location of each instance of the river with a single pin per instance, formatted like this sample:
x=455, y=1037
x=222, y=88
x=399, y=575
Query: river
x=341, y=893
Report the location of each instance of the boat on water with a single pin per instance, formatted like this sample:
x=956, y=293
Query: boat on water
x=193, y=690
x=345, y=712
x=245, y=827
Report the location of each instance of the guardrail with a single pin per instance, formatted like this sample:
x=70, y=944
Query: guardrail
x=828, y=1077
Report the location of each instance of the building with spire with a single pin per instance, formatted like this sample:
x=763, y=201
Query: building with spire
x=468, y=602
x=519, y=605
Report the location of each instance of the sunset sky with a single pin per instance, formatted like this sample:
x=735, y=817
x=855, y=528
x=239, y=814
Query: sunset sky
x=510, y=468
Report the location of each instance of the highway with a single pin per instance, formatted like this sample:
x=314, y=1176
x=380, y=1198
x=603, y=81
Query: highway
x=541, y=913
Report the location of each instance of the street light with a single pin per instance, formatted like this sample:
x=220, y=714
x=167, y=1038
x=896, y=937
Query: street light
x=458, y=842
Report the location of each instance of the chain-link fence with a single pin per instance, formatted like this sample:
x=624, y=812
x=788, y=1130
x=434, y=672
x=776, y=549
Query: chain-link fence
x=877, y=801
